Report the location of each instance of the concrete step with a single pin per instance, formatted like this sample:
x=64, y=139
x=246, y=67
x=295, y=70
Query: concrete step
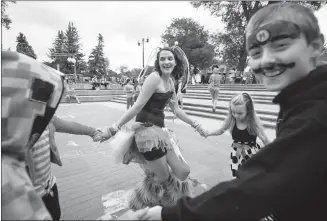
x=232, y=93
x=221, y=95
x=258, y=101
x=224, y=105
x=267, y=117
x=98, y=92
x=231, y=87
x=83, y=99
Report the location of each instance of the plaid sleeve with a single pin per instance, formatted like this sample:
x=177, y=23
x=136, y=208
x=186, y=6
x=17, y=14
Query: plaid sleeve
x=19, y=200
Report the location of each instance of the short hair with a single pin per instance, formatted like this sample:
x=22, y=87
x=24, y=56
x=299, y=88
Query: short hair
x=214, y=66
x=292, y=12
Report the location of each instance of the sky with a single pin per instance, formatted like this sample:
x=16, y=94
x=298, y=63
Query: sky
x=122, y=24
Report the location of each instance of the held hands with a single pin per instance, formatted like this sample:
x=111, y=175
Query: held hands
x=98, y=133
x=137, y=215
x=107, y=133
x=199, y=128
x=153, y=213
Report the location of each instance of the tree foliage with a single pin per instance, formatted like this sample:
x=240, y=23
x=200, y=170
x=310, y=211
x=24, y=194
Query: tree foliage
x=5, y=19
x=67, y=44
x=97, y=62
x=73, y=46
x=193, y=39
x=230, y=44
x=24, y=47
x=58, y=46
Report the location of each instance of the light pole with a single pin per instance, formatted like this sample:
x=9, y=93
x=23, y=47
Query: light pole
x=142, y=42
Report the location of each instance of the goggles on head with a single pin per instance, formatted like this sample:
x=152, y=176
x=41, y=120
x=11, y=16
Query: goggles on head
x=272, y=31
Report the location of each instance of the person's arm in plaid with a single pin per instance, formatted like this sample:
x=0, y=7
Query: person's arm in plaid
x=19, y=199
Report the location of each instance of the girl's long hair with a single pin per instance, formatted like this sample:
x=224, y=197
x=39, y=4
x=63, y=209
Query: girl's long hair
x=254, y=125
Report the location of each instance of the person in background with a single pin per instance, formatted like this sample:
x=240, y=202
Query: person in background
x=138, y=89
x=129, y=90
x=70, y=92
x=214, y=86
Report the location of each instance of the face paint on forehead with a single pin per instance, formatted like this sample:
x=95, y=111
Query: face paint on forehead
x=271, y=32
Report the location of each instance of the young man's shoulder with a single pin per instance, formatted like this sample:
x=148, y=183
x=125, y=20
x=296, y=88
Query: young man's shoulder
x=311, y=113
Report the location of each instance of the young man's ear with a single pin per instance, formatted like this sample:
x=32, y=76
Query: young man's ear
x=317, y=45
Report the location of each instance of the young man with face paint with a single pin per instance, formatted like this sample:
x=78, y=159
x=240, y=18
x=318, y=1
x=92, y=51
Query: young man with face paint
x=288, y=178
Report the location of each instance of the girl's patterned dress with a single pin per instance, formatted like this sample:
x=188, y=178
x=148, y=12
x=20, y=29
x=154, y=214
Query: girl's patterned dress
x=244, y=147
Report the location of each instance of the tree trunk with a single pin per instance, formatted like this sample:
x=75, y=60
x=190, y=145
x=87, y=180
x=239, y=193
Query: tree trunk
x=242, y=57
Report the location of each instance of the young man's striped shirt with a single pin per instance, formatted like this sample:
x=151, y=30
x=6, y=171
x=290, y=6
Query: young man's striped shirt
x=43, y=181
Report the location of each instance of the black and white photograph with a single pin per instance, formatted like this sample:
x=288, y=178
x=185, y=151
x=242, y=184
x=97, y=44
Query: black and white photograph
x=164, y=110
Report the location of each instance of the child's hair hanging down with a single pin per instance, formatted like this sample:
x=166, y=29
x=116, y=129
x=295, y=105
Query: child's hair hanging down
x=254, y=125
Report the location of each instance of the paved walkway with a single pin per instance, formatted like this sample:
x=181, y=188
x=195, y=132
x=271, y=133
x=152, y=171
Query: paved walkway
x=89, y=173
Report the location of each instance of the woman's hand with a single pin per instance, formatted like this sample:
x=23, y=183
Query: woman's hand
x=199, y=128
x=106, y=134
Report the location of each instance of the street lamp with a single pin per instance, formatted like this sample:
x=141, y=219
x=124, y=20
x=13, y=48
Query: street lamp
x=139, y=43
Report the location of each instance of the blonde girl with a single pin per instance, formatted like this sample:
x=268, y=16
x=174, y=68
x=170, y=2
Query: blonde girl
x=244, y=126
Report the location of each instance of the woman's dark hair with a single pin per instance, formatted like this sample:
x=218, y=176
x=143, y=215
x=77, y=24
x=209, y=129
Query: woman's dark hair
x=179, y=68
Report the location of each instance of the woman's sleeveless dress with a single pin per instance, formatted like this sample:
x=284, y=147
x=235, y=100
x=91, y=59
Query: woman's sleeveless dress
x=244, y=147
x=154, y=137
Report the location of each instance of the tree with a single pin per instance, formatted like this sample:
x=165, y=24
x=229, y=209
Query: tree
x=97, y=62
x=73, y=46
x=235, y=15
x=58, y=47
x=67, y=44
x=135, y=72
x=193, y=39
x=23, y=46
x=123, y=68
x=5, y=20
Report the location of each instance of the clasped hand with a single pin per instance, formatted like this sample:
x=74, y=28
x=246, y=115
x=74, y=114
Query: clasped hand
x=153, y=213
x=106, y=134
x=199, y=128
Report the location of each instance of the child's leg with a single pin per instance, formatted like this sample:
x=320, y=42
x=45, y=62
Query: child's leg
x=178, y=166
x=127, y=103
x=132, y=101
x=216, y=94
x=68, y=98
x=75, y=96
x=212, y=93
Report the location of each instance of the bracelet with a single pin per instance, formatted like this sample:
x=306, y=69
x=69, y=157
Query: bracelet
x=194, y=124
x=116, y=127
x=113, y=129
